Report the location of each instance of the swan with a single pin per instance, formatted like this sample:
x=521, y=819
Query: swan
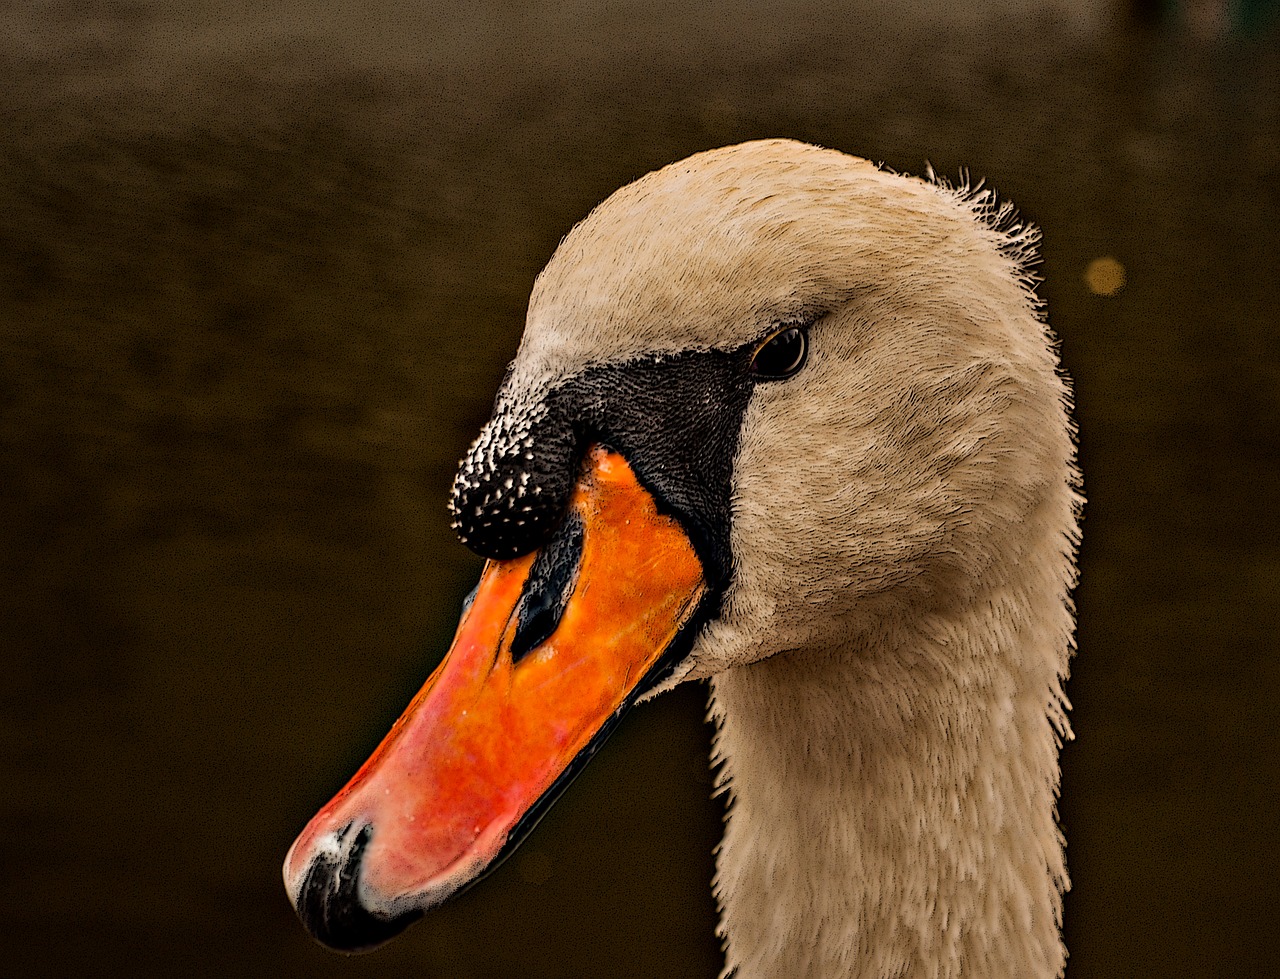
x=795, y=424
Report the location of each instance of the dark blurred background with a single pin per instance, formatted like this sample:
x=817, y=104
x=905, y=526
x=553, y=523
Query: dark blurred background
x=261, y=267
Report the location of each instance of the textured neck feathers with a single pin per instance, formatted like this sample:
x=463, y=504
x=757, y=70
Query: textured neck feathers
x=893, y=801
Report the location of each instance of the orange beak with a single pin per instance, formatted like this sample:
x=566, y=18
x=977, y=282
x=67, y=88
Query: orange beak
x=492, y=738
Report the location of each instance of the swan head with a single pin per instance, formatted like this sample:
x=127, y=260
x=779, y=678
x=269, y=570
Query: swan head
x=885, y=477
x=777, y=396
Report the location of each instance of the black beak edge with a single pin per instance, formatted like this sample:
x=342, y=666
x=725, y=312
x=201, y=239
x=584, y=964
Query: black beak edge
x=329, y=900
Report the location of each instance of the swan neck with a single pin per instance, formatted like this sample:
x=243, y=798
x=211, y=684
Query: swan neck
x=892, y=801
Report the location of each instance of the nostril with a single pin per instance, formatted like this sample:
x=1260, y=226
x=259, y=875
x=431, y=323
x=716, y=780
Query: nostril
x=329, y=904
x=549, y=587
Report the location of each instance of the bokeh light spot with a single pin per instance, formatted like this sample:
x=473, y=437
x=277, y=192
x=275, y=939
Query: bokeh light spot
x=1104, y=276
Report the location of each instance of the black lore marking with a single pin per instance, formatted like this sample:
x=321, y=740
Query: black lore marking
x=548, y=588
x=675, y=419
x=329, y=900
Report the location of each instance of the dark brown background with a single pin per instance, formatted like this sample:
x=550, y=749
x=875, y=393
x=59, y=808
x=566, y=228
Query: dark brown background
x=261, y=267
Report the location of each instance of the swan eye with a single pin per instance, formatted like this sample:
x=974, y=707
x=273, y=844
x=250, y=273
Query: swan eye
x=781, y=355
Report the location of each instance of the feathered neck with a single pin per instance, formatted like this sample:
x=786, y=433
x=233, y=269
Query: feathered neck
x=892, y=801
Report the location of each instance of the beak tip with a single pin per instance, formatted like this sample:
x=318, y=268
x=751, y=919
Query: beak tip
x=326, y=895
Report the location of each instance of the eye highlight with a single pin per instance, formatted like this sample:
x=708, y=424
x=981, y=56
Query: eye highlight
x=781, y=355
